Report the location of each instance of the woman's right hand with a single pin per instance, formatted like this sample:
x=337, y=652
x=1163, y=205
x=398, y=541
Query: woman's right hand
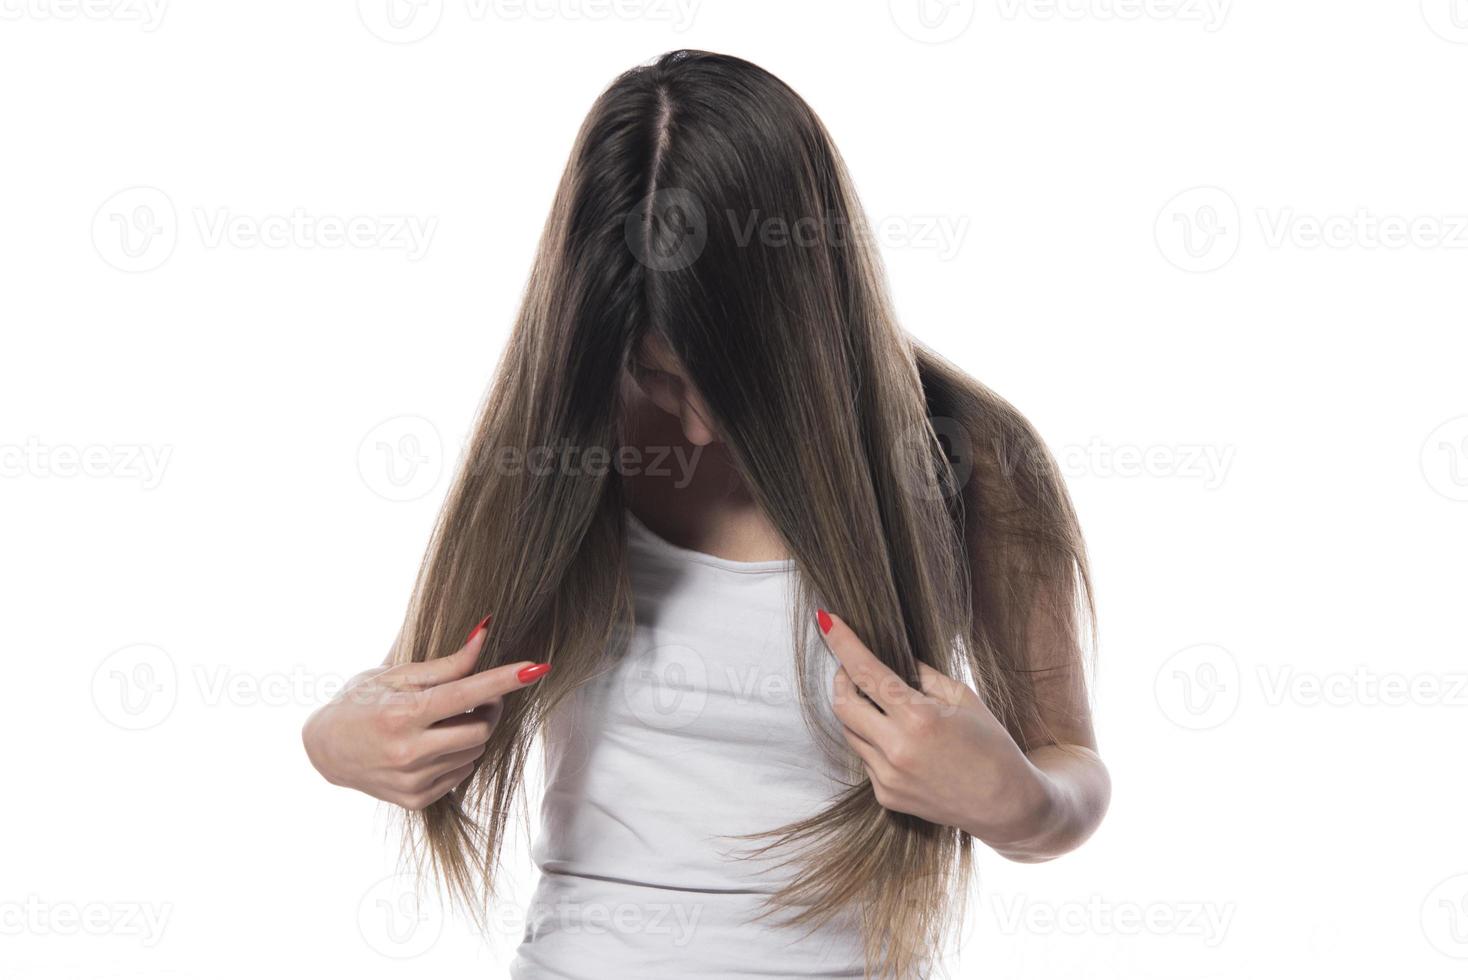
x=409, y=734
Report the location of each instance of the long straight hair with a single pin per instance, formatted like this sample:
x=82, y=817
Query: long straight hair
x=705, y=204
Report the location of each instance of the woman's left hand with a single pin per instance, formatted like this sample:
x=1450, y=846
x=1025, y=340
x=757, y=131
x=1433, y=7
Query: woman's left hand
x=939, y=753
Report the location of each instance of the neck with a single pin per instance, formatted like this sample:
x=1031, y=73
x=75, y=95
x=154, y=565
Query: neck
x=694, y=496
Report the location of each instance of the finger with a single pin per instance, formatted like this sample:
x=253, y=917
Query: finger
x=453, y=731
x=457, y=697
x=466, y=731
x=855, y=711
x=875, y=679
x=441, y=786
x=489, y=711
x=871, y=757
x=441, y=670
x=448, y=763
x=941, y=686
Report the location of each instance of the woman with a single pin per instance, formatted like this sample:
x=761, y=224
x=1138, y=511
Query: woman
x=707, y=431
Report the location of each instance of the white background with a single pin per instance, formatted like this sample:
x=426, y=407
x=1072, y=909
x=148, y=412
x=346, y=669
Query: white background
x=1256, y=389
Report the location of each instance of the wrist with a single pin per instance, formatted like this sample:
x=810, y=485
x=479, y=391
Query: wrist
x=1030, y=812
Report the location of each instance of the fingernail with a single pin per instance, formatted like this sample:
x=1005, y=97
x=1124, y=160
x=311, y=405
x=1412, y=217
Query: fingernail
x=532, y=673
x=476, y=630
x=824, y=618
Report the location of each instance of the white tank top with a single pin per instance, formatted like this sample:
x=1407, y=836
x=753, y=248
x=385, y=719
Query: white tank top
x=695, y=734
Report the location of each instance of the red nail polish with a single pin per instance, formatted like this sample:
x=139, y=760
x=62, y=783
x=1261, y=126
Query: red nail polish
x=532, y=673
x=824, y=618
x=475, y=631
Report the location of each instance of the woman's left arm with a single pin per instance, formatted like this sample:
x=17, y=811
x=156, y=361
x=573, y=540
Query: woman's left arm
x=942, y=755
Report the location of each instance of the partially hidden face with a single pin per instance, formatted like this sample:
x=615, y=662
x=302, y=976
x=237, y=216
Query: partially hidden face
x=665, y=382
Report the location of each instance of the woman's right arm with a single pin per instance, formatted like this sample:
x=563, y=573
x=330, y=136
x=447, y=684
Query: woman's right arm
x=411, y=733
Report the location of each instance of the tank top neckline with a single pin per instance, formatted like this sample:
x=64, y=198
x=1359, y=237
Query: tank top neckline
x=660, y=545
